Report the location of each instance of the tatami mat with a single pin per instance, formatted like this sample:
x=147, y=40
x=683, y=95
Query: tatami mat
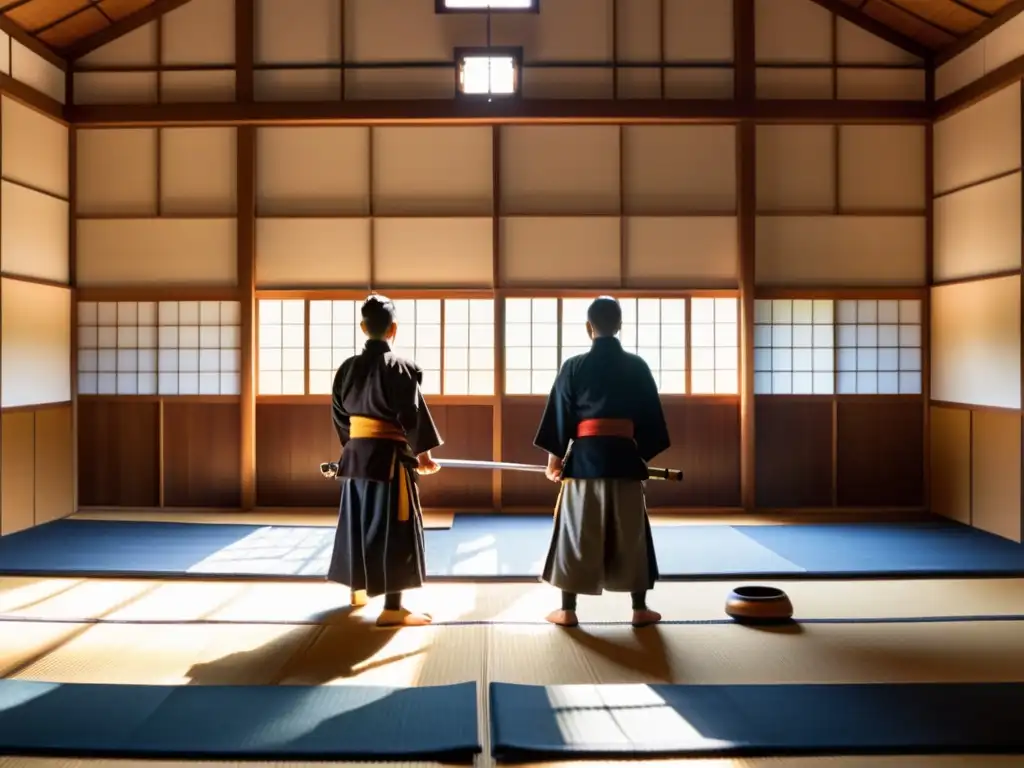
x=319, y=518
x=974, y=761
x=226, y=601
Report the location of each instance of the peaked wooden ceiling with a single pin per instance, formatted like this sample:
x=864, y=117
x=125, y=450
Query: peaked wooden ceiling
x=69, y=27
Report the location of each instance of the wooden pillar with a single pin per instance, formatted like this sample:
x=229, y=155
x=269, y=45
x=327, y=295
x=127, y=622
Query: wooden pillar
x=746, y=205
x=246, y=245
x=929, y=278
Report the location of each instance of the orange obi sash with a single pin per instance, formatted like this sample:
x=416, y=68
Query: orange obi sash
x=363, y=428
x=605, y=428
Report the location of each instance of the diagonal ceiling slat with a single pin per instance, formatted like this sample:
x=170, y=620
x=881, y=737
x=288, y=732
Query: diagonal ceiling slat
x=74, y=27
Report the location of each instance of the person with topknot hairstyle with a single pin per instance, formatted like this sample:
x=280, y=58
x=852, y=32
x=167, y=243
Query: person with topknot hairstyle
x=387, y=434
x=602, y=423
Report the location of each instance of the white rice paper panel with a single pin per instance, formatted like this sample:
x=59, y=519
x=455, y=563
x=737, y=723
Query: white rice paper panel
x=980, y=142
x=35, y=233
x=795, y=167
x=679, y=169
x=157, y=252
x=35, y=358
x=117, y=171
x=312, y=36
x=858, y=46
x=975, y=342
x=211, y=85
x=697, y=30
x=198, y=171
x=434, y=253
x=882, y=167
x=881, y=84
x=199, y=32
x=35, y=71
x=978, y=229
x=684, y=252
x=312, y=253
x=840, y=251
x=35, y=149
x=638, y=31
x=560, y=251
x=778, y=83
x=433, y=171
x=560, y=169
x=115, y=87
x=322, y=170
x=792, y=31
x=138, y=48
x=297, y=84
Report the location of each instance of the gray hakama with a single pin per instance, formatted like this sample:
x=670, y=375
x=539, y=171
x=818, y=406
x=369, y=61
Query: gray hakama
x=602, y=537
x=378, y=546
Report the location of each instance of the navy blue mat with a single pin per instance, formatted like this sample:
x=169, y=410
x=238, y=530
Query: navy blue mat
x=239, y=722
x=615, y=721
x=483, y=547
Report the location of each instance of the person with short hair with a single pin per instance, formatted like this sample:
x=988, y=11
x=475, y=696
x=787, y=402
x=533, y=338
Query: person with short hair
x=387, y=434
x=602, y=423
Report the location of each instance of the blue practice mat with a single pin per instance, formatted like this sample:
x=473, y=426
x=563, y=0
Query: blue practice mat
x=489, y=547
x=239, y=722
x=615, y=721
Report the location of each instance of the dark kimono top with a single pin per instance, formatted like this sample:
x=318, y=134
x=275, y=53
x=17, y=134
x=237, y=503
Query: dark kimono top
x=605, y=383
x=378, y=384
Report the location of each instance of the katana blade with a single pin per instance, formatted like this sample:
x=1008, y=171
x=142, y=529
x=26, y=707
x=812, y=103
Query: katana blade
x=330, y=469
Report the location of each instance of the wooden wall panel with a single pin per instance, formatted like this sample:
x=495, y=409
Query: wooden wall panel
x=467, y=433
x=519, y=422
x=794, y=452
x=200, y=454
x=436, y=253
x=654, y=256
x=138, y=48
x=199, y=32
x=17, y=472
x=36, y=72
x=880, y=460
x=796, y=168
x=951, y=463
x=560, y=251
x=292, y=441
x=54, y=464
x=881, y=84
x=996, y=473
x=116, y=87
x=792, y=31
x=706, y=446
x=882, y=167
x=197, y=171
x=118, y=453
x=36, y=468
x=34, y=238
x=855, y=45
x=116, y=171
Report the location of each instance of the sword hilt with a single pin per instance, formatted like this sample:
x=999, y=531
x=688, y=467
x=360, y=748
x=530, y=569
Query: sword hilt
x=660, y=473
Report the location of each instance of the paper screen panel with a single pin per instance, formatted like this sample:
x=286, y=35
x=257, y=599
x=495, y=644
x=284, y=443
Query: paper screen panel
x=34, y=235
x=560, y=251
x=312, y=252
x=426, y=252
x=116, y=171
x=35, y=358
x=688, y=252
x=35, y=149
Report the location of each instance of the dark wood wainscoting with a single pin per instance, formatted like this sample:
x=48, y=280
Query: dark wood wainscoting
x=118, y=453
x=292, y=439
x=820, y=452
x=705, y=445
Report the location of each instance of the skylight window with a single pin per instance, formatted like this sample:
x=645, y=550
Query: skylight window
x=488, y=74
x=487, y=5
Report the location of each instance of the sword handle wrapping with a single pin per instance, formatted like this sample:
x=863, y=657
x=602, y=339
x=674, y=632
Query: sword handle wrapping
x=659, y=473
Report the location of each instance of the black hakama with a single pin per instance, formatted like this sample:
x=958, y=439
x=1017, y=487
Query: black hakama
x=379, y=545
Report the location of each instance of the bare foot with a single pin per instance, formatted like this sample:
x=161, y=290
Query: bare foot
x=563, y=618
x=403, y=618
x=645, y=618
x=358, y=598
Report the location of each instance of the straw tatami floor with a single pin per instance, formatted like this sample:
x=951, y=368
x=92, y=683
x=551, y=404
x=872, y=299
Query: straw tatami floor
x=204, y=633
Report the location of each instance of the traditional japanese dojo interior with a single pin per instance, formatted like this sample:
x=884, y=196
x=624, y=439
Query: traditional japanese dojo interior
x=811, y=214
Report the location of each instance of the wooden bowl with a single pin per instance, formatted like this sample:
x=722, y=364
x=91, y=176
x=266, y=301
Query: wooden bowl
x=758, y=605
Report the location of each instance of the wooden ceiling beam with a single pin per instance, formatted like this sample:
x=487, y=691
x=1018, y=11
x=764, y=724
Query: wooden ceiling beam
x=1008, y=12
x=876, y=28
x=121, y=27
x=36, y=46
x=469, y=111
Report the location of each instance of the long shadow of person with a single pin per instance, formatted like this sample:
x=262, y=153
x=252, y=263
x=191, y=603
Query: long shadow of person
x=343, y=644
x=644, y=651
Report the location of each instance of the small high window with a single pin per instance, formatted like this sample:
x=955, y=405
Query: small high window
x=488, y=73
x=486, y=5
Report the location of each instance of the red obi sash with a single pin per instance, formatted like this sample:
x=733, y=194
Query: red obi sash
x=605, y=428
